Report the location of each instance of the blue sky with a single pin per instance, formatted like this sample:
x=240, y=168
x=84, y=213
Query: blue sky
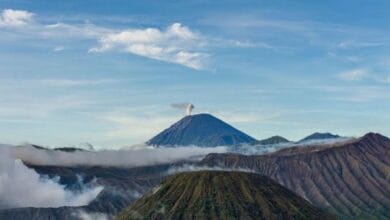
x=106, y=72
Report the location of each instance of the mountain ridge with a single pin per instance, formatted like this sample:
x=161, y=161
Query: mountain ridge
x=359, y=168
x=273, y=140
x=319, y=136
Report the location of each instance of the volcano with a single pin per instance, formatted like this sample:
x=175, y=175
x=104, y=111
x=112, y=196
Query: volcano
x=221, y=195
x=202, y=130
x=319, y=136
x=273, y=140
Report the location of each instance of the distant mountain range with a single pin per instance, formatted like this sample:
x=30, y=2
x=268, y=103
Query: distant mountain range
x=221, y=195
x=273, y=140
x=205, y=130
x=315, y=137
x=349, y=179
x=202, y=130
x=319, y=136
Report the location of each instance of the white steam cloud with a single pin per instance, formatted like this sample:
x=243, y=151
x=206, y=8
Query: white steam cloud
x=83, y=215
x=194, y=168
x=187, y=107
x=21, y=186
x=125, y=158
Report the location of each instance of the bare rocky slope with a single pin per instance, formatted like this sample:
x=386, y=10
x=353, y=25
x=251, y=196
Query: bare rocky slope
x=351, y=179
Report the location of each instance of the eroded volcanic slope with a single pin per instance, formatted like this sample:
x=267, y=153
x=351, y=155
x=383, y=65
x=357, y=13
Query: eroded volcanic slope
x=221, y=195
x=350, y=179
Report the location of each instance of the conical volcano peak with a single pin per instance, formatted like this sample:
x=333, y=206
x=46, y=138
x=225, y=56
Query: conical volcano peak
x=203, y=119
x=203, y=130
x=320, y=136
x=374, y=137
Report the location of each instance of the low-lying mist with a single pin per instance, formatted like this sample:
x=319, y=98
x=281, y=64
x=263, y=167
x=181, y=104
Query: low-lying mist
x=141, y=156
x=259, y=149
x=21, y=186
x=125, y=158
x=193, y=168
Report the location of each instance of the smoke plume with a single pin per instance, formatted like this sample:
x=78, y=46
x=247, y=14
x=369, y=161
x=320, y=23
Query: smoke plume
x=187, y=107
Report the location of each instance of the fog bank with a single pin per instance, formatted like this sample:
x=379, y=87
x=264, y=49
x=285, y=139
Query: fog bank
x=21, y=186
x=125, y=157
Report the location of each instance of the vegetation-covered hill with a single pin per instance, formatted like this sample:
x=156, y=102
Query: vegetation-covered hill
x=221, y=195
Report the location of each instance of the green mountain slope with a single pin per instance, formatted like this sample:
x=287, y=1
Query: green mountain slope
x=221, y=195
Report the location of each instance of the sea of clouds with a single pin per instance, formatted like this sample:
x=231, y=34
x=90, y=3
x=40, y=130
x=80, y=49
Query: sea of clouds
x=21, y=186
x=124, y=158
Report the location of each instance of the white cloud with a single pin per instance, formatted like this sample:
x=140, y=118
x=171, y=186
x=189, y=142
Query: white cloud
x=353, y=75
x=195, y=168
x=181, y=31
x=129, y=157
x=174, y=44
x=354, y=44
x=21, y=186
x=63, y=30
x=192, y=60
x=58, y=48
x=83, y=215
x=15, y=18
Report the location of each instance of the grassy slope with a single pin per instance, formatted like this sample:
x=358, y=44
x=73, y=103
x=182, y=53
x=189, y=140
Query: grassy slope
x=221, y=195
